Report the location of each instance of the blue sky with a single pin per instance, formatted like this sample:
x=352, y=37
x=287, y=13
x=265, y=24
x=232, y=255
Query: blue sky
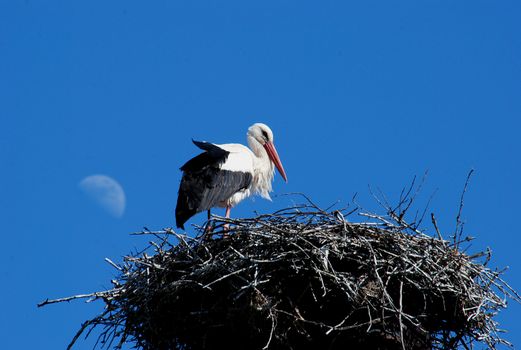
x=357, y=94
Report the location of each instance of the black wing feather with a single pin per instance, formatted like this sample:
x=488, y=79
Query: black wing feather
x=204, y=185
x=224, y=184
x=214, y=156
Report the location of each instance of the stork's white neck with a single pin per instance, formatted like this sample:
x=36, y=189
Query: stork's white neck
x=257, y=148
x=263, y=168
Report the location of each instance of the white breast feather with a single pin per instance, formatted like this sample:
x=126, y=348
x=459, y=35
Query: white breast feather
x=264, y=173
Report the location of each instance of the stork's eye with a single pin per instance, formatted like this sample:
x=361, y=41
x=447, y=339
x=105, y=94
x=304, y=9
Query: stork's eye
x=265, y=135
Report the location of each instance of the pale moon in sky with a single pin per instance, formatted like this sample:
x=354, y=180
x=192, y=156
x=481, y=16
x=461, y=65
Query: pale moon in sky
x=105, y=191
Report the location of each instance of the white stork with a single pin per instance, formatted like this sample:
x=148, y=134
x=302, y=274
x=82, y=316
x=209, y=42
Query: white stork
x=224, y=175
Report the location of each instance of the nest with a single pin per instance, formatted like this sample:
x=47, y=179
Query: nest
x=302, y=278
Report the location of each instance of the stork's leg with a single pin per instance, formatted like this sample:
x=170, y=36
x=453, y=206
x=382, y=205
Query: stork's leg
x=227, y=215
x=208, y=227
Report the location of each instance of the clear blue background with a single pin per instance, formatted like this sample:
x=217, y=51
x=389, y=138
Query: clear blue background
x=361, y=94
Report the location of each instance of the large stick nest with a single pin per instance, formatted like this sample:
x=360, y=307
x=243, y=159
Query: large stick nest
x=302, y=278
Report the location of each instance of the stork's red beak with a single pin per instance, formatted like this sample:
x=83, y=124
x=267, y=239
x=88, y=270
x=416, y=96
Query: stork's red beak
x=274, y=156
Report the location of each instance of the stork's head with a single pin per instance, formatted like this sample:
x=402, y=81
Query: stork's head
x=262, y=134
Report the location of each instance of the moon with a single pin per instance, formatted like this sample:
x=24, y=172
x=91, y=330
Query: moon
x=105, y=191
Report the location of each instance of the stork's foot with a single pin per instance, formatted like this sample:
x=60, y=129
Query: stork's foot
x=209, y=227
x=225, y=230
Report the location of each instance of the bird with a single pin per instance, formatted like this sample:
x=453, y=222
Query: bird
x=225, y=174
